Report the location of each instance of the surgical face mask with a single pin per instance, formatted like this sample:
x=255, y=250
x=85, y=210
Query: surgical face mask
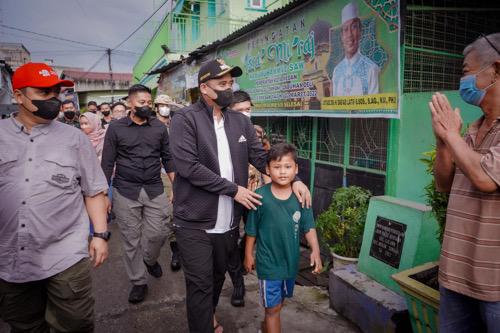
x=47, y=108
x=164, y=111
x=143, y=111
x=105, y=113
x=469, y=91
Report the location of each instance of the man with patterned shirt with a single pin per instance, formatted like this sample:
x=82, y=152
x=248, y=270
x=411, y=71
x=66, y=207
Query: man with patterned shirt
x=469, y=169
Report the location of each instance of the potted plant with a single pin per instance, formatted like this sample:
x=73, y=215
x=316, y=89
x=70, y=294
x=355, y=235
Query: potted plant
x=341, y=225
x=420, y=284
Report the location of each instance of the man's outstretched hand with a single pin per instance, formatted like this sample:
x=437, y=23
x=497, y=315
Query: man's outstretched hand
x=248, y=198
x=302, y=193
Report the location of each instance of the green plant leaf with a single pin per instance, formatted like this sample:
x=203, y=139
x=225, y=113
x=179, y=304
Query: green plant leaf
x=341, y=225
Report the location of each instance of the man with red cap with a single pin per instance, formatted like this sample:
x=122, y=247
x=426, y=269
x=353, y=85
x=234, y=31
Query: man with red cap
x=50, y=184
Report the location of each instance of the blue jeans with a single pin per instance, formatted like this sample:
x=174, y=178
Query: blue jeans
x=462, y=314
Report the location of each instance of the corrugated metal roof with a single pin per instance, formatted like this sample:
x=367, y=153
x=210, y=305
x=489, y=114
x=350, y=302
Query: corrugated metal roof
x=75, y=75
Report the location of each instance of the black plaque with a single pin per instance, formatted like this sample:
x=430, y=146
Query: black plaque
x=388, y=240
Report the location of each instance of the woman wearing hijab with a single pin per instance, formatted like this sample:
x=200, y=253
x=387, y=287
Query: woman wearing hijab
x=91, y=126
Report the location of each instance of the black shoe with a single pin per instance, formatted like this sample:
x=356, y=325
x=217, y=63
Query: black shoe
x=155, y=270
x=138, y=293
x=175, y=263
x=237, y=298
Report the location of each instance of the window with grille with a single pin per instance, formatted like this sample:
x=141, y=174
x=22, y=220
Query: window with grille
x=368, y=144
x=435, y=34
x=275, y=128
x=302, y=136
x=331, y=138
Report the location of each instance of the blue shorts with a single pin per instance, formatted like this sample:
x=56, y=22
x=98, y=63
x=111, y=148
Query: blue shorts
x=274, y=292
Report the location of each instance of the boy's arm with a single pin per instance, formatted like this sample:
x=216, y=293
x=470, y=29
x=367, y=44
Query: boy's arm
x=312, y=239
x=249, y=258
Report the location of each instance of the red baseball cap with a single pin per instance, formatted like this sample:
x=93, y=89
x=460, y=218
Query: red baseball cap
x=38, y=75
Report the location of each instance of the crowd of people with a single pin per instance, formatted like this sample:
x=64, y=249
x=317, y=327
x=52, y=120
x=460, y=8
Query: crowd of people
x=123, y=158
x=192, y=176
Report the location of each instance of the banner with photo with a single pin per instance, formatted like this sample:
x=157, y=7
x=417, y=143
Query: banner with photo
x=328, y=58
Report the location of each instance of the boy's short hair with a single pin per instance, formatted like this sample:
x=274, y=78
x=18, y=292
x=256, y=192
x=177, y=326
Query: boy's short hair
x=241, y=96
x=279, y=150
x=103, y=103
x=92, y=103
x=138, y=88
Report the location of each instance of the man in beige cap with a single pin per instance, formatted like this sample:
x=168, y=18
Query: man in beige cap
x=165, y=107
x=356, y=74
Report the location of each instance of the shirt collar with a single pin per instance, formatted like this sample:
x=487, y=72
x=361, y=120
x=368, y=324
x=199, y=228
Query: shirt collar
x=474, y=127
x=354, y=58
x=219, y=123
x=42, y=128
x=130, y=122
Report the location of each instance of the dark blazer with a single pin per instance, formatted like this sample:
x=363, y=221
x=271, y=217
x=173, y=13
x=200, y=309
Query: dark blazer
x=198, y=183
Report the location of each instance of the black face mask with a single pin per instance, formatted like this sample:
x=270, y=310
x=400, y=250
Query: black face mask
x=224, y=97
x=105, y=113
x=143, y=112
x=47, y=108
x=69, y=114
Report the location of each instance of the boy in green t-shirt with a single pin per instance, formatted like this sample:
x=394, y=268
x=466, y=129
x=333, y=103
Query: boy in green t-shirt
x=275, y=226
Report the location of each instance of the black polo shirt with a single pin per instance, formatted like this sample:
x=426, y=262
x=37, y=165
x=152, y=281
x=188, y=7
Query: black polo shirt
x=137, y=151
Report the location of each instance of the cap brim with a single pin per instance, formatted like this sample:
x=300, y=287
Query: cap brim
x=66, y=83
x=180, y=106
x=234, y=71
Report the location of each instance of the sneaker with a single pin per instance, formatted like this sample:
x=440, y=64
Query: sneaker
x=237, y=298
x=155, y=270
x=138, y=293
x=175, y=263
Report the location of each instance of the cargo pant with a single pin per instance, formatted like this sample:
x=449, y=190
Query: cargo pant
x=144, y=225
x=61, y=303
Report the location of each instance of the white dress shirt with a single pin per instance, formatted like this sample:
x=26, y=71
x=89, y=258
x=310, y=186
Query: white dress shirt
x=225, y=209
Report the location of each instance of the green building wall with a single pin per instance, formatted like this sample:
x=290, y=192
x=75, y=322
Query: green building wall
x=152, y=53
x=414, y=136
x=197, y=33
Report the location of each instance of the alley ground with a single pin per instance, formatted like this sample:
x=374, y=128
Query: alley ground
x=164, y=309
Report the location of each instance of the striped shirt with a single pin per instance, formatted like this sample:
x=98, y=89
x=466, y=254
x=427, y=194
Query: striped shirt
x=470, y=255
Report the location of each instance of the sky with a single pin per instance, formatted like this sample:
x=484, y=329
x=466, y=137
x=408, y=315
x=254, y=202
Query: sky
x=102, y=22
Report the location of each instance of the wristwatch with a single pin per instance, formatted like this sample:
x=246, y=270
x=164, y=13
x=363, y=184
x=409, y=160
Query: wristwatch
x=104, y=235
